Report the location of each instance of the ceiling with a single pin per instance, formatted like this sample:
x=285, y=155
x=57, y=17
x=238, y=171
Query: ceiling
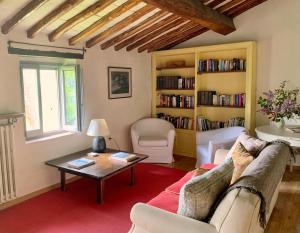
x=146, y=25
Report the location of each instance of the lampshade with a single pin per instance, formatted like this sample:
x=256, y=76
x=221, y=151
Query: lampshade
x=97, y=128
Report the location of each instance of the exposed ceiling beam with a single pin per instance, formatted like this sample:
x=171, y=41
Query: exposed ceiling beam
x=52, y=16
x=145, y=32
x=229, y=5
x=156, y=33
x=82, y=16
x=139, y=27
x=103, y=21
x=21, y=15
x=242, y=7
x=199, y=13
x=189, y=36
x=167, y=38
x=215, y=3
x=119, y=26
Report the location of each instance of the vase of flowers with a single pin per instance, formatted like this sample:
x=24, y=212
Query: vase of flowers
x=279, y=104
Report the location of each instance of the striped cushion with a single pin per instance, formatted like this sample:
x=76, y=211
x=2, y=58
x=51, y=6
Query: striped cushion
x=199, y=194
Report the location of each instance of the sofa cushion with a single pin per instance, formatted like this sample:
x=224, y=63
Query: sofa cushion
x=175, y=188
x=252, y=144
x=165, y=200
x=199, y=194
x=153, y=141
x=241, y=159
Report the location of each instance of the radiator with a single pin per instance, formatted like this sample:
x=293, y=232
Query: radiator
x=7, y=171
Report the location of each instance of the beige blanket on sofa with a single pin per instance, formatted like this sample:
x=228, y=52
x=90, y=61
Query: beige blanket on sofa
x=263, y=175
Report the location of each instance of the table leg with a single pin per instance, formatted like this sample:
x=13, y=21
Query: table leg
x=132, y=175
x=62, y=181
x=100, y=187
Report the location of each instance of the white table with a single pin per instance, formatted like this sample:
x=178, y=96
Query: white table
x=270, y=133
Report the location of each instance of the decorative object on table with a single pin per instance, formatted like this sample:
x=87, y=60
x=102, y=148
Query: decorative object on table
x=279, y=104
x=80, y=163
x=119, y=82
x=98, y=129
x=124, y=157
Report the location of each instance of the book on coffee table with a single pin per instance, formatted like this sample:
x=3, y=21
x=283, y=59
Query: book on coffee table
x=123, y=156
x=80, y=163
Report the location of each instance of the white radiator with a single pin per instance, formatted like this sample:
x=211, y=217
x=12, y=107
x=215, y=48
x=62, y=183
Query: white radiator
x=7, y=171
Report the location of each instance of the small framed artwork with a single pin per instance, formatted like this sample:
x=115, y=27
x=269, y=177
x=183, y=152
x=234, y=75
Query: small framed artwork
x=119, y=82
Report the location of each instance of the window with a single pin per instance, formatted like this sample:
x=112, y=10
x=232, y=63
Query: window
x=52, y=98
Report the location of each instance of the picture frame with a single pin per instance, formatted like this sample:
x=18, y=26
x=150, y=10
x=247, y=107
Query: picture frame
x=119, y=82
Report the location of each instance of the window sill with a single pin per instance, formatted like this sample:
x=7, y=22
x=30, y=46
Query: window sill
x=46, y=138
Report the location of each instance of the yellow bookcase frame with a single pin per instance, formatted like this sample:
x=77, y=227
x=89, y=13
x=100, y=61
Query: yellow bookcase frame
x=223, y=82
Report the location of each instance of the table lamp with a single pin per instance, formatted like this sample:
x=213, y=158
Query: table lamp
x=98, y=129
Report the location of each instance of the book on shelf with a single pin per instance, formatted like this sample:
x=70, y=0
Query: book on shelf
x=175, y=101
x=221, y=65
x=204, y=124
x=80, y=163
x=124, y=157
x=175, y=82
x=212, y=98
x=178, y=121
x=293, y=128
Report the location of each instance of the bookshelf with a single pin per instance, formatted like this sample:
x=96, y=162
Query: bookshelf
x=229, y=82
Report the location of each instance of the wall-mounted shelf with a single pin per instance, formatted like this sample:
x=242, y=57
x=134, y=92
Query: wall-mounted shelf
x=170, y=89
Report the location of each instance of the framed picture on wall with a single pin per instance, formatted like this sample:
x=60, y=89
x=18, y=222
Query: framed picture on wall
x=119, y=82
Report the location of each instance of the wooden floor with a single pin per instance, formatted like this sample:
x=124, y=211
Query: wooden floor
x=286, y=214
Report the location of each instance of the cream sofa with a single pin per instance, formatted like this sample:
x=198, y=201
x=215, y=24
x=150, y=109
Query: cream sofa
x=237, y=213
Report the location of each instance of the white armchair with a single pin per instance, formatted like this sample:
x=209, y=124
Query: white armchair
x=155, y=138
x=208, y=142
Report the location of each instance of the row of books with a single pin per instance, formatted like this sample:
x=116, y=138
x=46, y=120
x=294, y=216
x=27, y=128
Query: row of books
x=203, y=124
x=214, y=65
x=178, y=121
x=175, y=82
x=175, y=101
x=212, y=98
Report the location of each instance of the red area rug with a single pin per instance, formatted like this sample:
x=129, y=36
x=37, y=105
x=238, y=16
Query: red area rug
x=76, y=211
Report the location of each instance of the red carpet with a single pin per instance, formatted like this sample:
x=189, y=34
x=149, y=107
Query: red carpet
x=76, y=211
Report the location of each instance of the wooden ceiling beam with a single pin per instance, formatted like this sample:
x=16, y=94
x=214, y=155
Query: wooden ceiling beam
x=21, y=15
x=189, y=36
x=119, y=26
x=139, y=27
x=166, y=38
x=145, y=32
x=242, y=7
x=215, y=3
x=82, y=16
x=229, y=5
x=156, y=33
x=52, y=16
x=103, y=21
x=197, y=12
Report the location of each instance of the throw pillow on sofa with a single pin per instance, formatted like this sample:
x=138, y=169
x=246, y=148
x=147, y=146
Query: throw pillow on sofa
x=199, y=194
x=241, y=159
x=252, y=144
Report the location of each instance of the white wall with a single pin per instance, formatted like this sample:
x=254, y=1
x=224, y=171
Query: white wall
x=275, y=26
x=31, y=173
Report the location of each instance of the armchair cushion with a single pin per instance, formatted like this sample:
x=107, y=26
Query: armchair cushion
x=153, y=141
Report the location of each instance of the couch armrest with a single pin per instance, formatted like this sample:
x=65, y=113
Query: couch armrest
x=154, y=220
x=220, y=156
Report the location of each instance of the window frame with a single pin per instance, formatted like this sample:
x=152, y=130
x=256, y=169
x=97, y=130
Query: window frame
x=38, y=66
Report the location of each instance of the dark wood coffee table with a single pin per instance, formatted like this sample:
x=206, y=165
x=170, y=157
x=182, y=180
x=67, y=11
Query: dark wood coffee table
x=104, y=168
